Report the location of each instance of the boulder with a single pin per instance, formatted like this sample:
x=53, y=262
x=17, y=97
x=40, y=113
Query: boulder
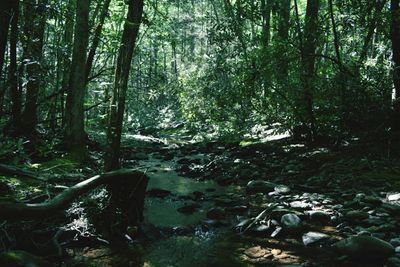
x=365, y=247
x=259, y=186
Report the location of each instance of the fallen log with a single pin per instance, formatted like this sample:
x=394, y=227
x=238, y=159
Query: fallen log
x=12, y=170
x=132, y=185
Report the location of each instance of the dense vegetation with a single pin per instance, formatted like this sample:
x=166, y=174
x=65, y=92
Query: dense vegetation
x=80, y=78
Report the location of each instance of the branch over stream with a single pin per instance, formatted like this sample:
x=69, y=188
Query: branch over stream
x=132, y=183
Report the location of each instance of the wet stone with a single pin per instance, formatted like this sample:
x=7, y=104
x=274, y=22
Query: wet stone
x=291, y=221
x=189, y=208
x=216, y=214
x=395, y=241
x=318, y=216
x=282, y=189
x=300, y=205
x=160, y=193
x=394, y=197
x=259, y=186
x=311, y=238
x=356, y=215
x=365, y=247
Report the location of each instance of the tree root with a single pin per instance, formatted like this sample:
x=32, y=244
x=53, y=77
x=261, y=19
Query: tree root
x=130, y=185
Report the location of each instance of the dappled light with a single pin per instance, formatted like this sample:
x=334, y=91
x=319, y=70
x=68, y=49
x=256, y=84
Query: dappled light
x=202, y=133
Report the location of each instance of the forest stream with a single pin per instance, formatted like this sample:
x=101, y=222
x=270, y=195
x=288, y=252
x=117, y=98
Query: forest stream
x=206, y=206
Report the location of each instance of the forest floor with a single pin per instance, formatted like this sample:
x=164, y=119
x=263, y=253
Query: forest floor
x=275, y=203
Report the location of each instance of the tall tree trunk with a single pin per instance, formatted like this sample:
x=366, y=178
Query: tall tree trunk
x=96, y=38
x=74, y=114
x=310, y=45
x=5, y=18
x=395, y=10
x=125, y=54
x=266, y=21
x=67, y=51
x=283, y=34
x=13, y=70
x=35, y=21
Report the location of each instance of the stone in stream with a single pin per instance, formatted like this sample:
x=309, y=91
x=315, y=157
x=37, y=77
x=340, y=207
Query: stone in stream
x=394, y=197
x=157, y=192
x=395, y=241
x=356, y=215
x=313, y=237
x=365, y=247
x=189, y=208
x=216, y=213
x=290, y=221
x=300, y=205
x=318, y=216
x=282, y=189
x=259, y=186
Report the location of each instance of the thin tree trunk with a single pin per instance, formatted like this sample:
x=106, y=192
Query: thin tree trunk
x=283, y=35
x=74, y=115
x=310, y=45
x=125, y=55
x=266, y=21
x=96, y=38
x=395, y=36
x=5, y=18
x=13, y=70
x=35, y=20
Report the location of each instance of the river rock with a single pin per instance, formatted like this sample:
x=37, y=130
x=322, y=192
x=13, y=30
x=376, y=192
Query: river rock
x=394, y=197
x=357, y=215
x=318, y=216
x=365, y=247
x=300, y=205
x=291, y=221
x=395, y=241
x=157, y=192
x=259, y=186
x=282, y=189
x=313, y=237
x=216, y=213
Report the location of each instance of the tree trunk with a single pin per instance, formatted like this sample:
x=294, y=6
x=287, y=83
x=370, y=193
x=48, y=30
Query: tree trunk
x=13, y=70
x=125, y=54
x=74, y=115
x=395, y=35
x=96, y=38
x=35, y=21
x=283, y=34
x=310, y=45
x=132, y=185
x=66, y=51
x=5, y=18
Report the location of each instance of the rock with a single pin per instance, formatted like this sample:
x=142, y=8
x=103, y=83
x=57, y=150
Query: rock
x=393, y=262
x=300, y=205
x=365, y=247
x=276, y=232
x=318, y=216
x=372, y=200
x=395, y=241
x=394, y=197
x=313, y=237
x=237, y=209
x=282, y=189
x=356, y=215
x=259, y=186
x=291, y=221
x=156, y=192
x=216, y=213
x=397, y=249
x=189, y=208
x=256, y=252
